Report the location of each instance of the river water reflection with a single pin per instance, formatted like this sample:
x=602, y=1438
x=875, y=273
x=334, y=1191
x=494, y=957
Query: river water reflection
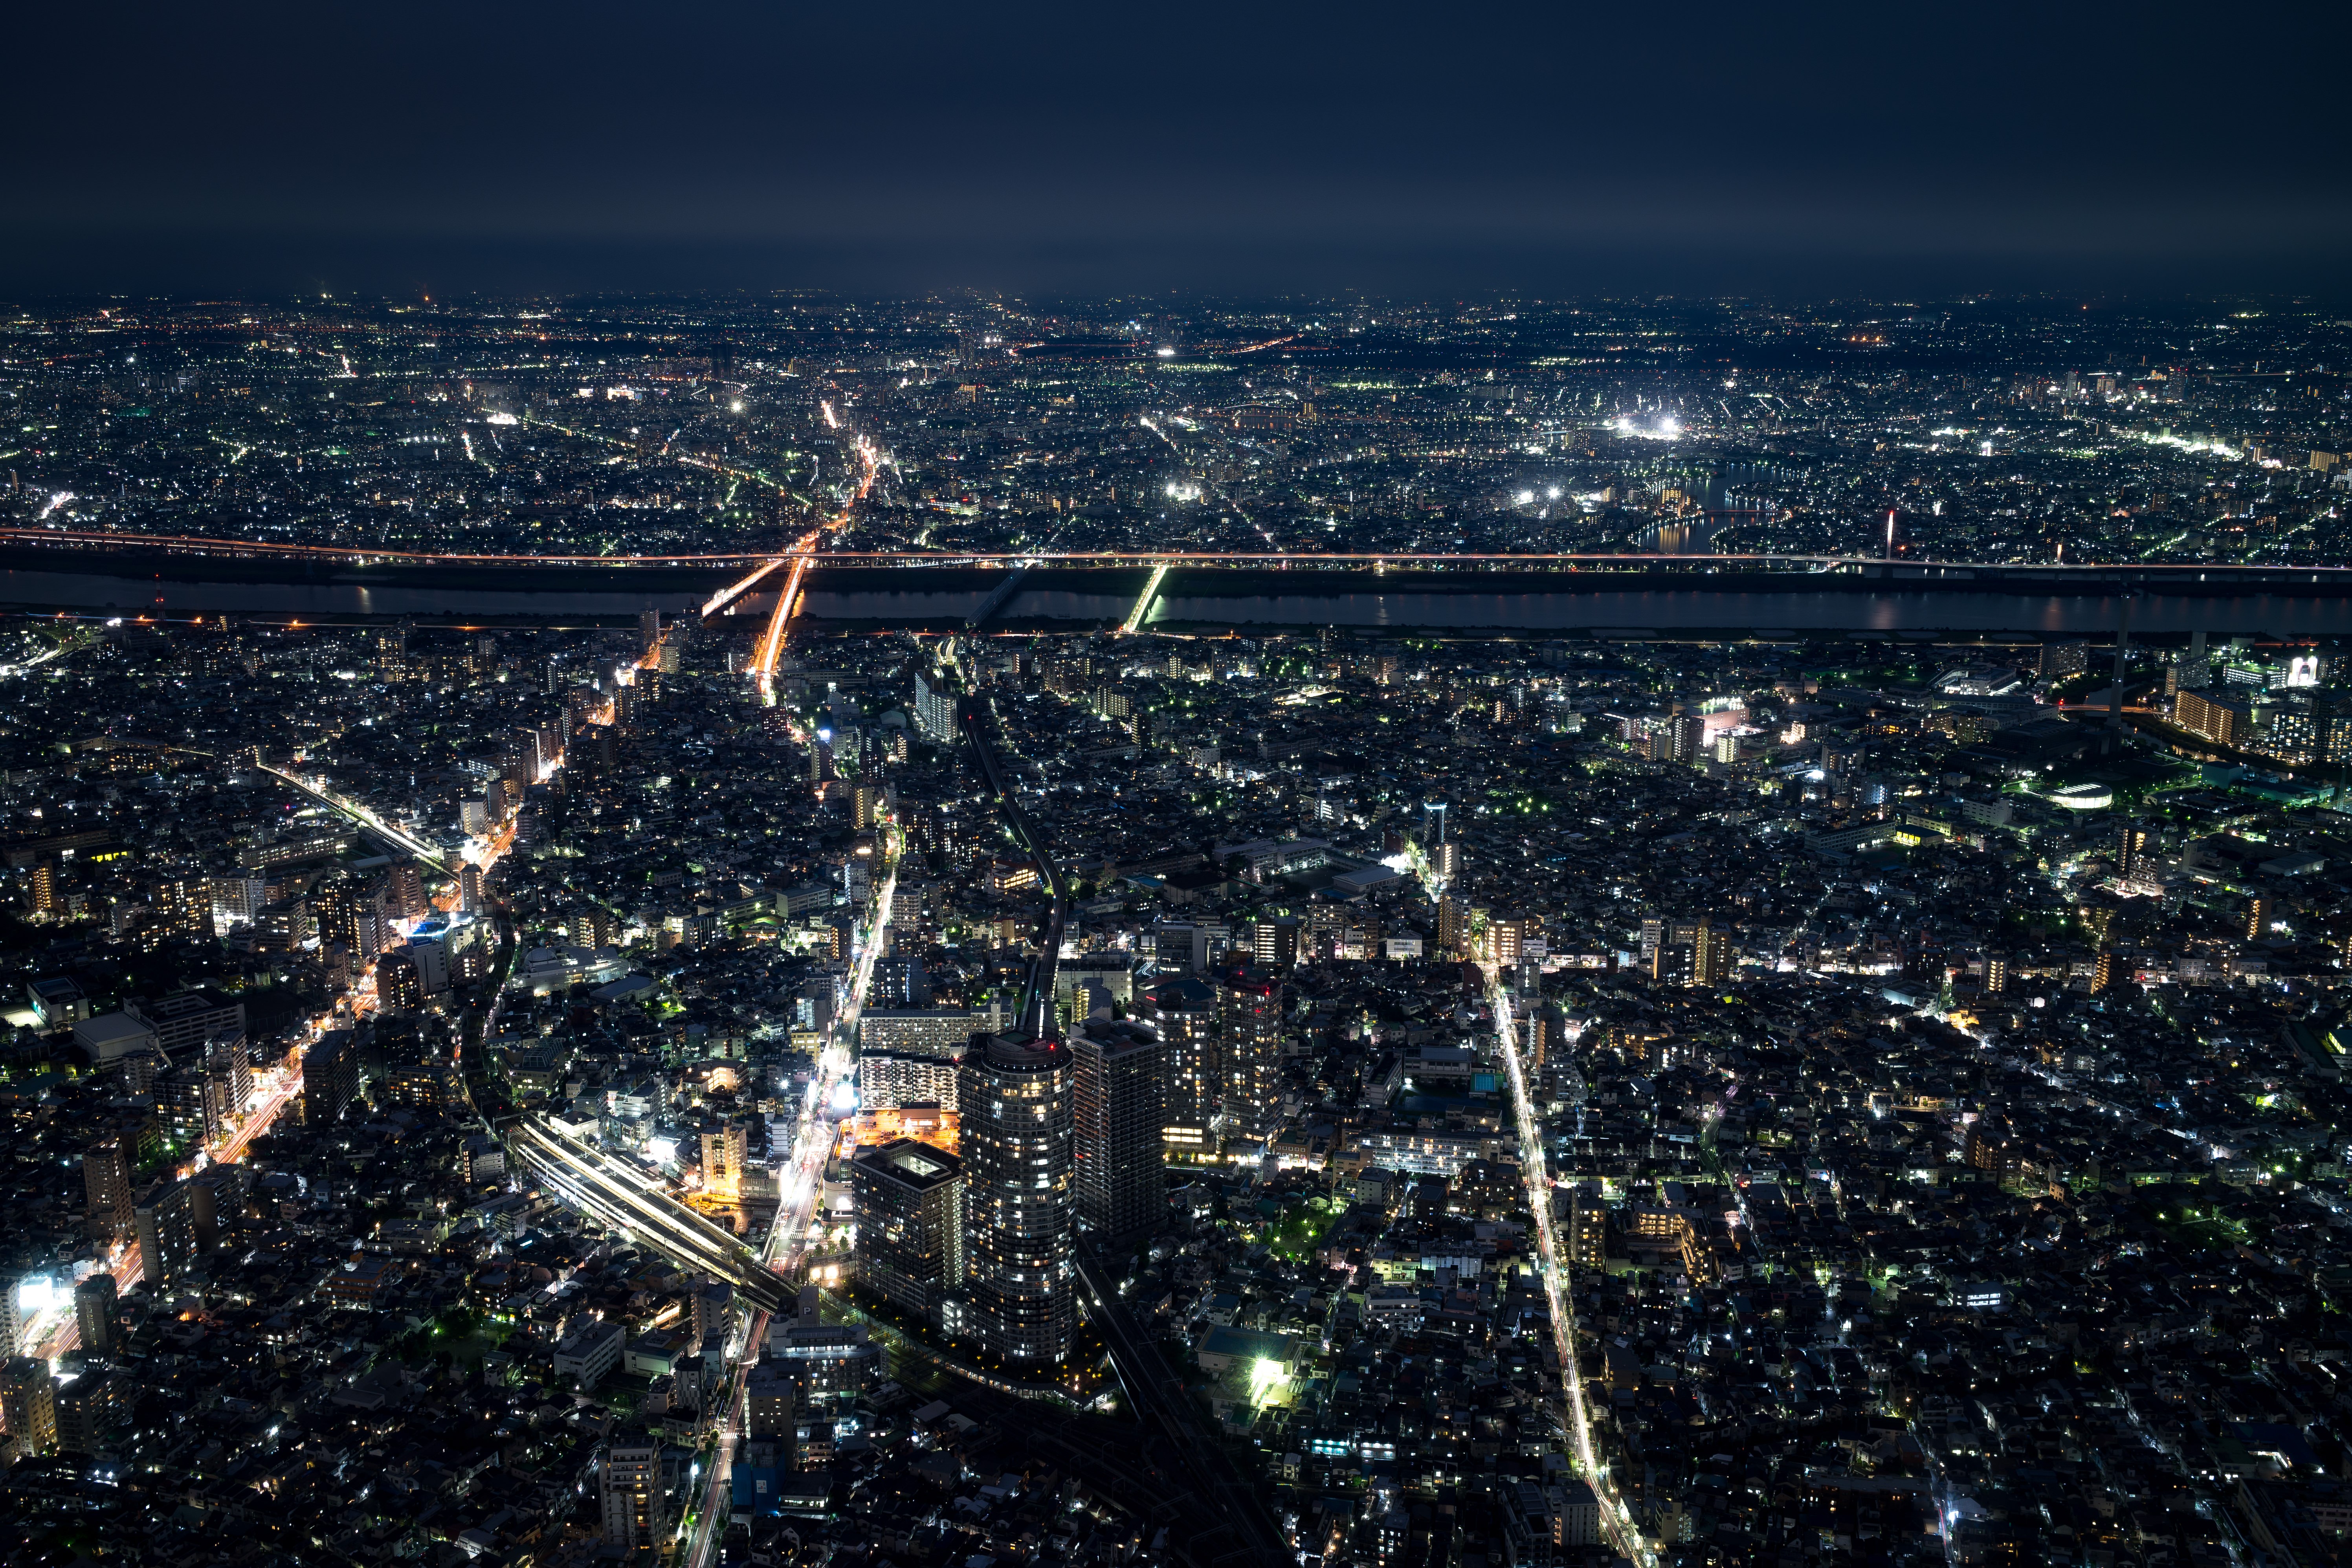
x=1549, y=609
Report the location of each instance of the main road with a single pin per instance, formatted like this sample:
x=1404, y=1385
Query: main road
x=718, y=1499
x=1616, y=1519
x=620, y=1192
x=799, y=1185
x=283, y=1084
x=772, y=643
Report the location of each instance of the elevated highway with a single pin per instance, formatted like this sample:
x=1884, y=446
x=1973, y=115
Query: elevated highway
x=2212, y=577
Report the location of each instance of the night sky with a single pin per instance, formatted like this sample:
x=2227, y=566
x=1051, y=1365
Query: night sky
x=1243, y=148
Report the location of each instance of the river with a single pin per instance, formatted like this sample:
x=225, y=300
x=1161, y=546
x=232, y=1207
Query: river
x=135, y=596
x=1665, y=610
x=1071, y=599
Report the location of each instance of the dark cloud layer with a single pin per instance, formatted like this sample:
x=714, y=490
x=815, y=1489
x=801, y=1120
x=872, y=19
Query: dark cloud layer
x=1700, y=147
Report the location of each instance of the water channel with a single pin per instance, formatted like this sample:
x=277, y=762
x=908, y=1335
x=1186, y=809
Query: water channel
x=1211, y=600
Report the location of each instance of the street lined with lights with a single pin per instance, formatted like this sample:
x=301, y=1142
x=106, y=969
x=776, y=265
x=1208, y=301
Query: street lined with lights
x=1551, y=1260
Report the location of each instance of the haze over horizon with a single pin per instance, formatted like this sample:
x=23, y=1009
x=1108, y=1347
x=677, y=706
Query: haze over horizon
x=1555, y=150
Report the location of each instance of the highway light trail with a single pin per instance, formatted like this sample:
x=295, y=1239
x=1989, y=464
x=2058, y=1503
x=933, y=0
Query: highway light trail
x=1143, y=602
x=736, y=590
x=206, y=545
x=66, y=1335
x=772, y=643
x=730, y=1433
x=264, y=1116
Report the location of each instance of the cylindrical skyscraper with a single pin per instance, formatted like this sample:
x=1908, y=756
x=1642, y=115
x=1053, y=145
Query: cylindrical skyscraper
x=1018, y=1195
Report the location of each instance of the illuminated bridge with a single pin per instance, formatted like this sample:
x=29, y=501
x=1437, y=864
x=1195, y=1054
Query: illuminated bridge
x=620, y=1194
